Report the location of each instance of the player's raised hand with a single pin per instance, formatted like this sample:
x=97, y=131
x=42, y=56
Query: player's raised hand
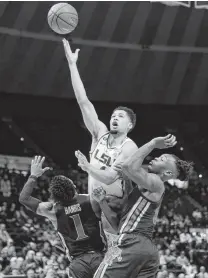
x=168, y=141
x=98, y=194
x=37, y=166
x=71, y=57
x=82, y=160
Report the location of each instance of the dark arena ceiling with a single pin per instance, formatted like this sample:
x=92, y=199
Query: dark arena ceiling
x=132, y=51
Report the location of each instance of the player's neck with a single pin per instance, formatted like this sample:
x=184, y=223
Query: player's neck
x=116, y=139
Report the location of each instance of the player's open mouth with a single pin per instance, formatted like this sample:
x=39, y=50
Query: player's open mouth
x=114, y=124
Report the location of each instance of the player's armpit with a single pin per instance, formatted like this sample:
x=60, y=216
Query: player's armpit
x=46, y=209
x=146, y=180
x=90, y=117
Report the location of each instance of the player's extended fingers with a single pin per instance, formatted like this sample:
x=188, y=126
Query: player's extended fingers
x=67, y=46
x=81, y=154
x=169, y=139
x=32, y=162
x=36, y=159
x=42, y=160
x=172, y=141
x=39, y=159
x=171, y=145
x=167, y=136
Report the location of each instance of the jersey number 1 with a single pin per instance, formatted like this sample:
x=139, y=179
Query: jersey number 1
x=78, y=226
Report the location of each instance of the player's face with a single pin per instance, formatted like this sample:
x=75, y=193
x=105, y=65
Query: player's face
x=165, y=162
x=120, y=122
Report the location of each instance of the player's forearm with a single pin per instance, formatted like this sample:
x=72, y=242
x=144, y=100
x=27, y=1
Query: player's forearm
x=135, y=161
x=77, y=84
x=25, y=197
x=104, y=176
x=110, y=215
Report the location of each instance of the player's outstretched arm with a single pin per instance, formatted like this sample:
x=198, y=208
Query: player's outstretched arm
x=132, y=166
x=25, y=198
x=93, y=124
x=148, y=181
x=135, y=161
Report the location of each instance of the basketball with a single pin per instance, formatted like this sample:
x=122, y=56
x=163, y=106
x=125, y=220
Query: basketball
x=62, y=18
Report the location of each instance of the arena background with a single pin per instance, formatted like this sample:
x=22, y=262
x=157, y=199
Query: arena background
x=148, y=56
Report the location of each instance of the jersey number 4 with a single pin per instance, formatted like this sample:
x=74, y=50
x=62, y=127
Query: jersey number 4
x=78, y=226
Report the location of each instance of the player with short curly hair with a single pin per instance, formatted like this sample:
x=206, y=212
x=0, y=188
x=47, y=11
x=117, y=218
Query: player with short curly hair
x=73, y=218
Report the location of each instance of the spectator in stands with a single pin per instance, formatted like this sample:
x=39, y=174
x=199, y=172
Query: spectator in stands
x=39, y=259
x=12, y=215
x=202, y=273
x=187, y=221
x=162, y=257
x=30, y=273
x=171, y=275
x=29, y=246
x=187, y=267
x=181, y=275
x=162, y=273
x=193, y=272
x=169, y=258
x=197, y=215
x=182, y=260
x=3, y=212
x=4, y=236
x=20, y=265
x=12, y=265
x=30, y=262
x=5, y=186
x=9, y=250
x=47, y=249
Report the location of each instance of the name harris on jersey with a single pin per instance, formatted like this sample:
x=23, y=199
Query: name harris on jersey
x=73, y=209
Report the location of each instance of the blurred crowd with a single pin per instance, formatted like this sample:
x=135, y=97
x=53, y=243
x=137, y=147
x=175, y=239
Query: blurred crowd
x=29, y=245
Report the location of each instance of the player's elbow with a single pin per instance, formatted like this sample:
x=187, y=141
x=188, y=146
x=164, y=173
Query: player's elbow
x=109, y=180
x=22, y=199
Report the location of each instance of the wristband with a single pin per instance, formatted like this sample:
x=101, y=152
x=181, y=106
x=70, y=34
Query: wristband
x=33, y=177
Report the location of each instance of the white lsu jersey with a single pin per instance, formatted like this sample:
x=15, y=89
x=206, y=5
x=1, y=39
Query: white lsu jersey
x=103, y=157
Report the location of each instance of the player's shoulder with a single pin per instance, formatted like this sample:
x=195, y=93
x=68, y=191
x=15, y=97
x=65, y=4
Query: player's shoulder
x=130, y=146
x=157, y=182
x=83, y=198
x=46, y=205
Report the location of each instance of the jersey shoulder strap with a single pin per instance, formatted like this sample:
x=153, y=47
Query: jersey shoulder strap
x=125, y=141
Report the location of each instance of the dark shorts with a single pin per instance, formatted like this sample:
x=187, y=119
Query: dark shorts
x=85, y=265
x=135, y=257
